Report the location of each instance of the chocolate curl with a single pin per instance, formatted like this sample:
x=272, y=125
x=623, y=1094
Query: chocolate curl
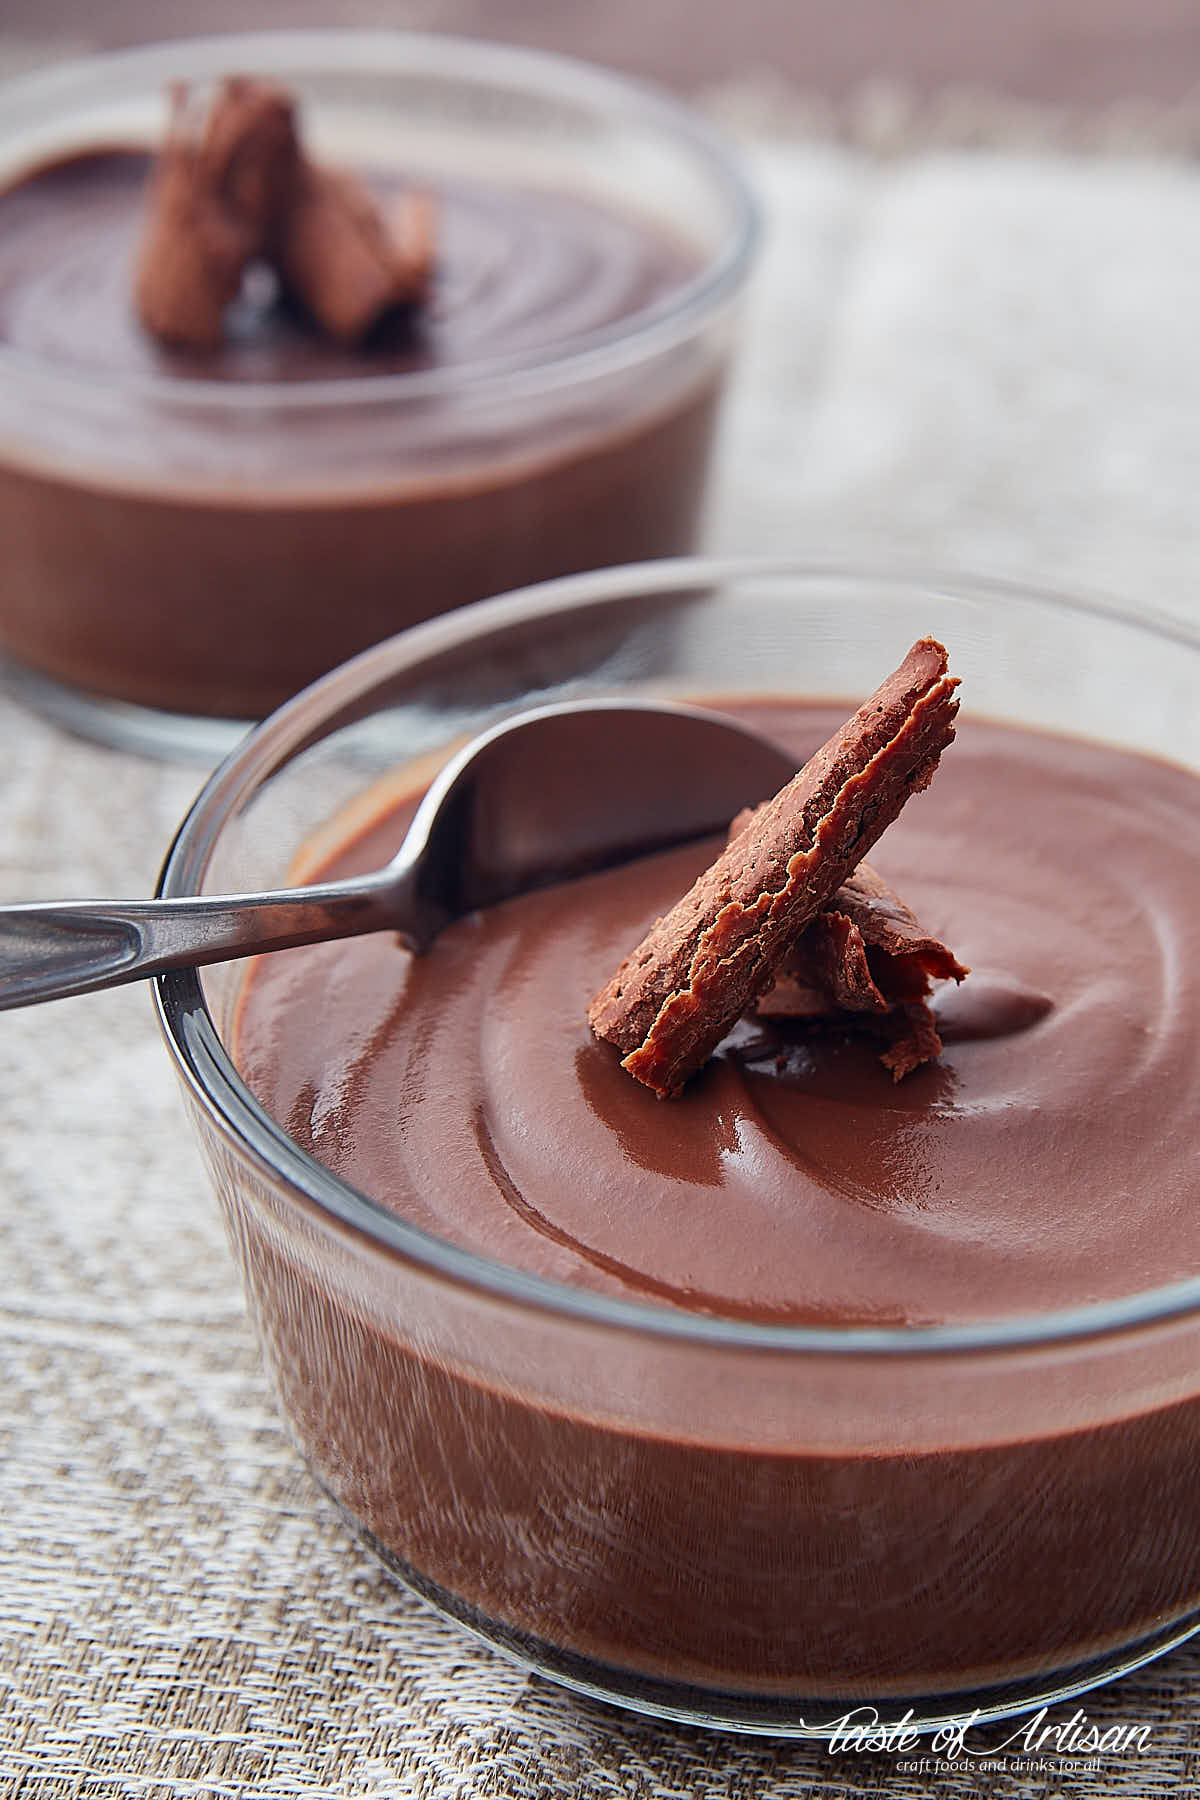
x=695, y=973
x=212, y=200
x=866, y=958
x=243, y=188
x=348, y=266
x=915, y=1038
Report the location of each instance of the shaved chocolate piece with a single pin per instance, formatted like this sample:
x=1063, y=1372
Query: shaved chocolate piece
x=884, y=921
x=915, y=1038
x=867, y=957
x=913, y=956
x=794, y=995
x=348, y=264
x=213, y=199
x=842, y=966
x=672, y=1001
x=251, y=146
x=242, y=188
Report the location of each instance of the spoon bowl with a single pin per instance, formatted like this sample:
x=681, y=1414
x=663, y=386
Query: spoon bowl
x=545, y=795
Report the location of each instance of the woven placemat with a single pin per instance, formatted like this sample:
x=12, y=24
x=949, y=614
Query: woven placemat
x=981, y=359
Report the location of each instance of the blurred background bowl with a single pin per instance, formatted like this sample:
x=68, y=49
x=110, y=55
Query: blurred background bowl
x=177, y=544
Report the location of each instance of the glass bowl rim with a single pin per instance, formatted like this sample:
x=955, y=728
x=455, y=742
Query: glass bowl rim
x=214, y=1083
x=639, y=336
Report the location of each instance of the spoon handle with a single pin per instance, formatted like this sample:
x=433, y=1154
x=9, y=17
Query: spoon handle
x=48, y=952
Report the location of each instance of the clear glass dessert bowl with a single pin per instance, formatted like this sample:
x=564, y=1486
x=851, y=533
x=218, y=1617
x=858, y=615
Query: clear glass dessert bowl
x=191, y=538
x=736, y=1514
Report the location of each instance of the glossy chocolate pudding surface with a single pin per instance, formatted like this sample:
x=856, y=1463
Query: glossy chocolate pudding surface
x=180, y=556
x=522, y=269
x=1047, y=1160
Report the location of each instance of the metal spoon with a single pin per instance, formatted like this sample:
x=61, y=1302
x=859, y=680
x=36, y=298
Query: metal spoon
x=543, y=796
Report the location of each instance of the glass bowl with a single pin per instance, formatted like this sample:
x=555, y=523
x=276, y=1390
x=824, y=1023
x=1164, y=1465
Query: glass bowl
x=752, y=1525
x=182, y=545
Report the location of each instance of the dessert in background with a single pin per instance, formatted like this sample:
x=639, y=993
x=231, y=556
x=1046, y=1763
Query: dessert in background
x=203, y=521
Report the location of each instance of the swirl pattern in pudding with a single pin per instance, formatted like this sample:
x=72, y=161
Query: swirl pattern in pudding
x=203, y=545
x=523, y=271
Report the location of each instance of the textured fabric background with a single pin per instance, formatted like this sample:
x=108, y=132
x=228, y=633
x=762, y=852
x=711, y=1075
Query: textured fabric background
x=983, y=359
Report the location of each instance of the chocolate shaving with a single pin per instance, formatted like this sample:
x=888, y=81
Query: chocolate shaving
x=914, y=1038
x=348, y=266
x=866, y=958
x=213, y=197
x=703, y=965
x=238, y=188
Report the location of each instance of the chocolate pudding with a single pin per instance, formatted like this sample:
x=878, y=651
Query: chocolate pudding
x=210, y=548
x=1047, y=1161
